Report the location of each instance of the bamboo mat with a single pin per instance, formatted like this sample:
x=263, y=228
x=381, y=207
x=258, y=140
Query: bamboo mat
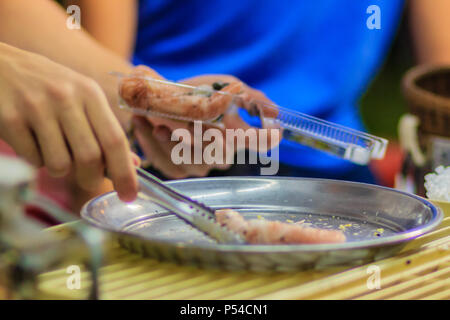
x=420, y=271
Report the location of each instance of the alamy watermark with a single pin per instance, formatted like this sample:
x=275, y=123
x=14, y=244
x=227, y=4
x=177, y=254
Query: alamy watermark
x=73, y=22
x=73, y=281
x=374, y=20
x=214, y=146
x=374, y=280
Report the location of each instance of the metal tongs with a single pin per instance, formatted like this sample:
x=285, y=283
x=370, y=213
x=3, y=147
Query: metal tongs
x=352, y=145
x=195, y=213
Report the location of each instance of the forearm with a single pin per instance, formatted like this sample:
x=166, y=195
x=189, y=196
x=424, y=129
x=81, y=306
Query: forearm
x=430, y=27
x=40, y=26
x=111, y=22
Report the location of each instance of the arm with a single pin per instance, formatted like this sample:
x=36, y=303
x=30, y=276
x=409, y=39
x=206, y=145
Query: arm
x=430, y=26
x=40, y=26
x=112, y=22
x=104, y=22
x=53, y=116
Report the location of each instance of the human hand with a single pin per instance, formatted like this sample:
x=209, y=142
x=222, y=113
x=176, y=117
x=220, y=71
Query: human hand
x=155, y=135
x=52, y=116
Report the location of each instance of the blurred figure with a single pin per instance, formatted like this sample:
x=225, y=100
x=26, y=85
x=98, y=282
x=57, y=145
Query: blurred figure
x=315, y=57
x=64, y=117
x=429, y=27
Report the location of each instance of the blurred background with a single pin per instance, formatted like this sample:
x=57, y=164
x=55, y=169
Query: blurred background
x=383, y=103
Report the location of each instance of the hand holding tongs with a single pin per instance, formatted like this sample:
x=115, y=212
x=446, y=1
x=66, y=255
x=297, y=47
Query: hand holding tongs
x=197, y=214
x=352, y=145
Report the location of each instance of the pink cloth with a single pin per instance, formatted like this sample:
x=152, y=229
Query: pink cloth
x=56, y=189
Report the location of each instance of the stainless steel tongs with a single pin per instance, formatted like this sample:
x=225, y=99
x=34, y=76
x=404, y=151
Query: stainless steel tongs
x=352, y=145
x=195, y=213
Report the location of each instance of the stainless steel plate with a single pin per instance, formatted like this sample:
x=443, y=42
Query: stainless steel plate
x=376, y=220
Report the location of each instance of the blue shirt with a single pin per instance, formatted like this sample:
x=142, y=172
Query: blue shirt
x=317, y=57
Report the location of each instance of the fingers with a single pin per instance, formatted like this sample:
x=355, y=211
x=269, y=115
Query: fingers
x=53, y=146
x=265, y=139
x=154, y=134
x=142, y=70
x=86, y=152
x=256, y=103
x=220, y=102
x=113, y=142
x=160, y=153
x=162, y=133
x=253, y=98
x=249, y=96
x=164, y=129
x=153, y=150
x=20, y=138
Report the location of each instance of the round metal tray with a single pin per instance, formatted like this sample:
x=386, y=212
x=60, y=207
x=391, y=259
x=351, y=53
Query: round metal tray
x=377, y=222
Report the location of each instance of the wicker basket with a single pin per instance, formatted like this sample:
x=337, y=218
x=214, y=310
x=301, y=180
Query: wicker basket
x=427, y=91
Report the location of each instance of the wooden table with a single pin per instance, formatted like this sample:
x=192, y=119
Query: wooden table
x=420, y=271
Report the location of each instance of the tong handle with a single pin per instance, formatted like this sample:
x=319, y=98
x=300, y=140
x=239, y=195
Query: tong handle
x=193, y=212
x=169, y=198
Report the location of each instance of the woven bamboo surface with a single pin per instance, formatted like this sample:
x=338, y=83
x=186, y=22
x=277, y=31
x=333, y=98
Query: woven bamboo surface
x=420, y=271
